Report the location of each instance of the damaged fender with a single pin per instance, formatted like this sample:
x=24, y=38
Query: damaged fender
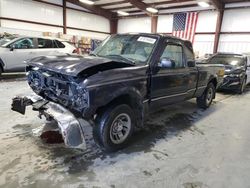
x=71, y=129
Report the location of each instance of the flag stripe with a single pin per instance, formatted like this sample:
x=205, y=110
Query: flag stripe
x=188, y=23
x=184, y=25
x=192, y=30
x=195, y=25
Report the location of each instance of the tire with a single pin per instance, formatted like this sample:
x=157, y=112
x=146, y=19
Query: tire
x=1, y=70
x=114, y=127
x=207, y=97
x=242, y=86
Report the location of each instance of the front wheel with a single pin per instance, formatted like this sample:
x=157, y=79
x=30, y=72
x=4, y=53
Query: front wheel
x=207, y=97
x=114, y=127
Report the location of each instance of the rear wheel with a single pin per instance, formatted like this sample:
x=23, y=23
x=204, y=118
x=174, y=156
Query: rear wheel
x=242, y=86
x=207, y=97
x=114, y=127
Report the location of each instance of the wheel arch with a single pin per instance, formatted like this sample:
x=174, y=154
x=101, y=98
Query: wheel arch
x=214, y=81
x=132, y=98
x=2, y=65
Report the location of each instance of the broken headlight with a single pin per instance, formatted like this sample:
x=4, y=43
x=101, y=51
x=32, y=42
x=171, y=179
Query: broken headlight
x=35, y=81
x=81, y=98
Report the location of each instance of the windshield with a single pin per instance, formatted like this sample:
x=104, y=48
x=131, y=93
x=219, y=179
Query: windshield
x=131, y=48
x=6, y=40
x=227, y=60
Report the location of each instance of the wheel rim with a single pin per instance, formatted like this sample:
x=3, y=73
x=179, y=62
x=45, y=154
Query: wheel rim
x=120, y=128
x=210, y=94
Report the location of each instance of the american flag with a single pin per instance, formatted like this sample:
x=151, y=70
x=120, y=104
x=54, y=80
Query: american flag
x=184, y=25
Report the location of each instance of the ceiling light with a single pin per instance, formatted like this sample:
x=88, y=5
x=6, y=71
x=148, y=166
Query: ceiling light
x=152, y=10
x=87, y=2
x=122, y=13
x=203, y=4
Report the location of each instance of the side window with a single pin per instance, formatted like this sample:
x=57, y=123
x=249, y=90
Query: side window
x=24, y=43
x=58, y=44
x=189, y=54
x=174, y=52
x=45, y=43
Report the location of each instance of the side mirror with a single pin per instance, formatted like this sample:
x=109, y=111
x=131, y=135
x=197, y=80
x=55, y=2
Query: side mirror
x=167, y=63
x=191, y=63
x=12, y=47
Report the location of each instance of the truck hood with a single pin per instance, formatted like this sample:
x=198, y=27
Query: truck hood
x=75, y=65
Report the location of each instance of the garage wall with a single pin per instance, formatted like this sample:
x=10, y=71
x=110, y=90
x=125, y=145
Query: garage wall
x=78, y=19
x=203, y=43
x=165, y=24
x=235, y=21
x=134, y=25
x=49, y=14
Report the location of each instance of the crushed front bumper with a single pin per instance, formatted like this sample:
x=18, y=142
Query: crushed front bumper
x=70, y=128
x=231, y=83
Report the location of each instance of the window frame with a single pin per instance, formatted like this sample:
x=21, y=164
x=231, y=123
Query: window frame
x=55, y=43
x=52, y=42
x=183, y=53
x=24, y=38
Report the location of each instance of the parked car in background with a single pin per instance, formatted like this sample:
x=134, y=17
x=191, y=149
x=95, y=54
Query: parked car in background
x=125, y=79
x=237, y=74
x=248, y=67
x=13, y=53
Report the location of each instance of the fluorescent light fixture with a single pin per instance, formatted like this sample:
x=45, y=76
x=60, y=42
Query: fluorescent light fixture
x=203, y=4
x=87, y=2
x=152, y=10
x=122, y=13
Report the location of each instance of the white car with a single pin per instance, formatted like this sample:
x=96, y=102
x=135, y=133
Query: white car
x=248, y=68
x=14, y=53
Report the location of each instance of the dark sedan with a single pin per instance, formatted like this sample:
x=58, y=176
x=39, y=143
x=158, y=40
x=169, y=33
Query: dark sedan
x=235, y=70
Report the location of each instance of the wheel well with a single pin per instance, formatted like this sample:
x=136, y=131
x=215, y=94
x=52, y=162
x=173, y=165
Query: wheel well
x=1, y=65
x=130, y=101
x=214, y=81
x=1, y=68
x=122, y=99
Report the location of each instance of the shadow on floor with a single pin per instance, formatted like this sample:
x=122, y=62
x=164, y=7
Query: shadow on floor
x=165, y=124
x=10, y=77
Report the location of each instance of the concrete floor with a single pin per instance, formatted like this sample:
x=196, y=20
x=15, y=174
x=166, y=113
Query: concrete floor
x=181, y=146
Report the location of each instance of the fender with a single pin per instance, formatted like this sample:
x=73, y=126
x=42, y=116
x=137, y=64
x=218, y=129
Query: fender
x=128, y=94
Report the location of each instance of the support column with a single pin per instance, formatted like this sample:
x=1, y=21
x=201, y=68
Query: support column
x=64, y=18
x=154, y=21
x=218, y=30
x=113, y=26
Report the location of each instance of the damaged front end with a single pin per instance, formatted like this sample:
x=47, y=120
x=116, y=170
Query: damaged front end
x=70, y=127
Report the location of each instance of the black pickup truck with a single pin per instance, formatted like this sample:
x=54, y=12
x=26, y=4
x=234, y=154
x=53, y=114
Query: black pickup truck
x=117, y=86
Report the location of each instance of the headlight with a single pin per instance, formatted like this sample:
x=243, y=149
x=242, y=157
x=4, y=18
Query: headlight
x=81, y=98
x=237, y=71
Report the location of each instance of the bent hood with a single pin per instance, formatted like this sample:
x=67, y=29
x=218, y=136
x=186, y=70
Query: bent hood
x=74, y=65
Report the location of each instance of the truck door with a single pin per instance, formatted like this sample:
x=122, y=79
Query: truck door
x=169, y=84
